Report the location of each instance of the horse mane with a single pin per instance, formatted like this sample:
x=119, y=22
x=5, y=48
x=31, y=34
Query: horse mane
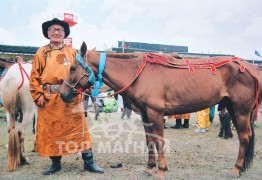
x=136, y=57
x=124, y=55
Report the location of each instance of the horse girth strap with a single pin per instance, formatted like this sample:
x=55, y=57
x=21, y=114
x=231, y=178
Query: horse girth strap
x=22, y=72
x=157, y=59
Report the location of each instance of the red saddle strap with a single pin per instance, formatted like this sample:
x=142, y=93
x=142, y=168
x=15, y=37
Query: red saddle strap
x=242, y=68
x=22, y=72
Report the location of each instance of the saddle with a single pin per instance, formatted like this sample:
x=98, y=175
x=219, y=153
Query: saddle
x=191, y=64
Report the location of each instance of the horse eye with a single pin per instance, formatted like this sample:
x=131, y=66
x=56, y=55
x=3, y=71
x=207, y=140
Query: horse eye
x=72, y=69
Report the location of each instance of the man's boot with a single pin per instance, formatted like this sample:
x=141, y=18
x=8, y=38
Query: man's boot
x=178, y=124
x=89, y=164
x=186, y=123
x=55, y=166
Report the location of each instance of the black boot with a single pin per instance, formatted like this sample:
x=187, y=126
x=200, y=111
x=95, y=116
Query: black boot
x=89, y=164
x=55, y=166
x=186, y=123
x=178, y=124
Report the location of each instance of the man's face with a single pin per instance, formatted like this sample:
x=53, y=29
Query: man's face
x=56, y=33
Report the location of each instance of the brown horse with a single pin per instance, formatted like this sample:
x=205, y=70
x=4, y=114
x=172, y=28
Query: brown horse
x=176, y=87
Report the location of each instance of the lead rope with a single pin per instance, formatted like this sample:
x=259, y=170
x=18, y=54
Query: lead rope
x=138, y=72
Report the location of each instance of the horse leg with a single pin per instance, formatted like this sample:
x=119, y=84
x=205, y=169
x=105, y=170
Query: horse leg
x=159, y=142
x=158, y=132
x=246, y=148
x=28, y=115
x=150, y=146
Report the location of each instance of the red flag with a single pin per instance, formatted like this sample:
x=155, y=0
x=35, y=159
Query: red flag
x=124, y=45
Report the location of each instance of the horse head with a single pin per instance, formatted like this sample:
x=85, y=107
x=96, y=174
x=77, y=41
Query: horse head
x=79, y=78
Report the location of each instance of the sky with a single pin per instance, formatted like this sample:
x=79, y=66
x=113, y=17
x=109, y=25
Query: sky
x=206, y=26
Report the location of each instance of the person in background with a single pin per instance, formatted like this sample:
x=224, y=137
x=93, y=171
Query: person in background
x=179, y=118
x=203, y=121
x=61, y=127
x=127, y=110
x=225, y=124
x=212, y=114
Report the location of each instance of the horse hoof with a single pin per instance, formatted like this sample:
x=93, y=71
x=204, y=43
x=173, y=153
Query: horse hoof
x=160, y=175
x=148, y=171
x=234, y=173
x=24, y=160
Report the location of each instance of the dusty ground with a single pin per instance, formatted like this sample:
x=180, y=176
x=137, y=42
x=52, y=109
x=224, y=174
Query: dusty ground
x=190, y=156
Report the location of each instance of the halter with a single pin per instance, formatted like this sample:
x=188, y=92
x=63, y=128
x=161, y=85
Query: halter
x=73, y=87
x=89, y=74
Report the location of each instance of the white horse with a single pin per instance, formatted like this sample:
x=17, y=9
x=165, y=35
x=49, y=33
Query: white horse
x=15, y=94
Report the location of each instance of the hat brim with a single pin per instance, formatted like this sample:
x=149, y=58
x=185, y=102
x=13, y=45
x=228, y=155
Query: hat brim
x=47, y=24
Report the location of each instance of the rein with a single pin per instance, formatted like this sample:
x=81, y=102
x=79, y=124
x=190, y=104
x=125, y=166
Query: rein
x=101, y=69
x=141, y=67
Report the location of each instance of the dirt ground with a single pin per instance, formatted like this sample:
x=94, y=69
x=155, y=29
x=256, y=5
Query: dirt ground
x=190, y=155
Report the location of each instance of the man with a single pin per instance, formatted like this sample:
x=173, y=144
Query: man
x=61, y=127
x=127, y=110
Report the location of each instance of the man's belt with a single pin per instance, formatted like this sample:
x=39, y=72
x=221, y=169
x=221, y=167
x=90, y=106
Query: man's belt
x=51, y=88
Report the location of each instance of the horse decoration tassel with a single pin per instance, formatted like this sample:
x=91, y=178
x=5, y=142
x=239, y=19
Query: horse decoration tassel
x=99, y=82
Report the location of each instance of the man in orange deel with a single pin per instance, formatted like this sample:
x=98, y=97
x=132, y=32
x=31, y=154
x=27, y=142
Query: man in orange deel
x=61, y=127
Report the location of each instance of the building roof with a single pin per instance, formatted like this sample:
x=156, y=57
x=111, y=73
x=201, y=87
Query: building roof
x=18, y=49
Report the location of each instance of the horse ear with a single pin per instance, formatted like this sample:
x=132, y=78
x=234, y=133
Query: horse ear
x=94, y=49
x=83, y=49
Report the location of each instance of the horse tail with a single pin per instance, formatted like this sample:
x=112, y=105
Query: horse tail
x=14, y=151
x=10, y=101
x=250, y=151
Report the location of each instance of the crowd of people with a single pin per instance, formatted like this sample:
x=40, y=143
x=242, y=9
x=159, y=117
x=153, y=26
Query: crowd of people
x=204, y=119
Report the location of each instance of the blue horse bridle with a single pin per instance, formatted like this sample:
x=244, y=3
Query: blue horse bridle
x=90, y=74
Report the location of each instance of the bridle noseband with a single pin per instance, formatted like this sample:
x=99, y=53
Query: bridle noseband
x=73, y=87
